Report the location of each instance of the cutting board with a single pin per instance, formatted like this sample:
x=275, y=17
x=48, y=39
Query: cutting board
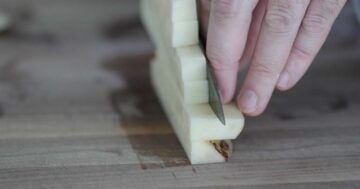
x=77, y=110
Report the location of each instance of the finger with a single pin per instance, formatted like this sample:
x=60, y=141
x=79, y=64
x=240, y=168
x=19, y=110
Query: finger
x=315, y=27
x=228, y=28
x=254, y=31
x=203, y=14
x=279, y=28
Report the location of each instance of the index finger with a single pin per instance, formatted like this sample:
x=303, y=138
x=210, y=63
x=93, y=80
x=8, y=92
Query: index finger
x=229, y=23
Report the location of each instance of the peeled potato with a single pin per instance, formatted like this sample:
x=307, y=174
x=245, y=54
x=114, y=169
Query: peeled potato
x=178, y=74
x=177, y=33
x=196, y=126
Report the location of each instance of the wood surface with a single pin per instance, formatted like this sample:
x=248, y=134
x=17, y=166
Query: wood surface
x=77, y=111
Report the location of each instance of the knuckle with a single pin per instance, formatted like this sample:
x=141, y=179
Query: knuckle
x=322, y=16
x=221, y=62
x=224, y=9
x=302, y=53
x=331, y=7
x=315, y=23
x=280, y=16
x=266, y=70
x=278, y=22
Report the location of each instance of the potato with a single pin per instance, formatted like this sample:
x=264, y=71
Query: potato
x=178, y=74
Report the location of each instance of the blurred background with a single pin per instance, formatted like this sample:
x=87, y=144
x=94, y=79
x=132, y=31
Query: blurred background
x=50, y=48
x=79, y=64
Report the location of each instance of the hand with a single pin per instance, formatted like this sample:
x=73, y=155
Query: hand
x=279, y=38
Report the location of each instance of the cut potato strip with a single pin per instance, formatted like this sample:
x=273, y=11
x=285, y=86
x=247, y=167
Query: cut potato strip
x=195, y=125
x=206, y=125
x=190, y=61
x=187, y=64
x=179, y=10
x=177, y=34
x=179, y=77
x=192, y=92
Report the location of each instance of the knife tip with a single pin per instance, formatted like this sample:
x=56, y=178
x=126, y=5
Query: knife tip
x=222, y=120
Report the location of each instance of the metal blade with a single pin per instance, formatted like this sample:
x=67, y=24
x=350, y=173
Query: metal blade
x=214, y=95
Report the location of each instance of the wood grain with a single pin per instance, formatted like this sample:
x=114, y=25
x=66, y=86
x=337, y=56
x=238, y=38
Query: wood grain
x=81, y=113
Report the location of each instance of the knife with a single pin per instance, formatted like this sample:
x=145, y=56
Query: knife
x=214, y=95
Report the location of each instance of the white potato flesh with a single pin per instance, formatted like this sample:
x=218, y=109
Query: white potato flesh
x=192, y=92
x=195, y=125
x=177, y=34
x=187, y=64
x=179, y=77
x=179, y=10
x=189, y=59
x=192, y=63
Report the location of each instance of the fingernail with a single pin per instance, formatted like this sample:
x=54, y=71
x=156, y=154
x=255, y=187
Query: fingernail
x=248, y=101
x=283, y=81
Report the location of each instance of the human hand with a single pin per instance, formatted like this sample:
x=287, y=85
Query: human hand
x=280, y=39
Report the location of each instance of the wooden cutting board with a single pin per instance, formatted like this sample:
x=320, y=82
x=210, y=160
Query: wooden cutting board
x=79, y=112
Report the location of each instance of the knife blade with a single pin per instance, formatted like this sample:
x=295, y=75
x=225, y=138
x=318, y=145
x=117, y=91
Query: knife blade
x=214, y=95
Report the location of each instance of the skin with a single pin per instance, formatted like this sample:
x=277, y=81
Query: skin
x=278, y=38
